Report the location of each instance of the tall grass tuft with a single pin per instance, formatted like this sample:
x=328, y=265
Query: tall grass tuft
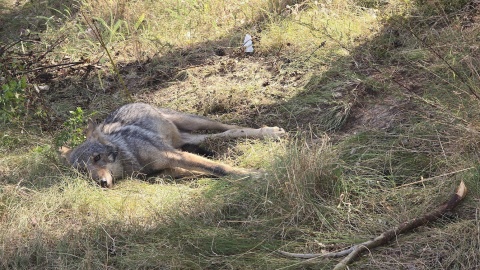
x=307, y=179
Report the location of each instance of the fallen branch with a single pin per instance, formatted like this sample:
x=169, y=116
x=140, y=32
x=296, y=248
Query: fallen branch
x=6, y=47
x=63, y=65
x=353, y=252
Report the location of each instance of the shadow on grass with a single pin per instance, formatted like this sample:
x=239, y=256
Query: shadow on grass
x=16, y=18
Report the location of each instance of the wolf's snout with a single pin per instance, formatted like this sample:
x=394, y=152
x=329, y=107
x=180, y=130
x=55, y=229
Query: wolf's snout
x=103, y=183
x=103, y=177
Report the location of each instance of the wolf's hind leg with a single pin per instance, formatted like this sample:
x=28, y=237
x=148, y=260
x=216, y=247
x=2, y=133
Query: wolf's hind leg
x=190, y=122
x=259, y=133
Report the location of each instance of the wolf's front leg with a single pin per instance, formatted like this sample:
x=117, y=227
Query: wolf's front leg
x=196, y=163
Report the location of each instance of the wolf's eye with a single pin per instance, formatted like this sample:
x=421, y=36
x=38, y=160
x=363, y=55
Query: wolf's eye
x=96, y=158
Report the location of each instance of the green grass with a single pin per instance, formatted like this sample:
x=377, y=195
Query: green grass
x=378, y=99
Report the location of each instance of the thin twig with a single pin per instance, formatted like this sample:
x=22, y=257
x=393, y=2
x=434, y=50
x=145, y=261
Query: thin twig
x=71, y=64
x=458, y=74
x=5, y=48
x=434, y=177
x=51, y=47
x=317, y=255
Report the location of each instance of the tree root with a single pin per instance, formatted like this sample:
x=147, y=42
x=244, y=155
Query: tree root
x=353, y=252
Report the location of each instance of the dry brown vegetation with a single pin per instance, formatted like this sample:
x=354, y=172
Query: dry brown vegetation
x=380, y=99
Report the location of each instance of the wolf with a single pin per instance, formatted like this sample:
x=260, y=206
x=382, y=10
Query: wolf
x=140, y=139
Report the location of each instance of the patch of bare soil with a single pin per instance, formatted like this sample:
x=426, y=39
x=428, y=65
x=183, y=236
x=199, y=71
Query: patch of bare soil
x=245, y=90
x=384, y=113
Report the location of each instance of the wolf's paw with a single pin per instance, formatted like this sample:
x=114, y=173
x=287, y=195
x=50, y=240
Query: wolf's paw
x=272, y=132
x=251, y=173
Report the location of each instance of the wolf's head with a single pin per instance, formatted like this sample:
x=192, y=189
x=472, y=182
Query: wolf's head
x=96, y=157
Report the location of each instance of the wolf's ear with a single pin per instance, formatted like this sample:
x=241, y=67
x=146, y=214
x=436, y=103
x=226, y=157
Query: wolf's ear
x=90, y=128
x=65, y=152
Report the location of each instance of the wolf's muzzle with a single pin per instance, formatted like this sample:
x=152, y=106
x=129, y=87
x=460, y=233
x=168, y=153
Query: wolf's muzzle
x=103, y=183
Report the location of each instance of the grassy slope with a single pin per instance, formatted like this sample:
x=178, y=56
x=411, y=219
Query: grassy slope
x=364, y=89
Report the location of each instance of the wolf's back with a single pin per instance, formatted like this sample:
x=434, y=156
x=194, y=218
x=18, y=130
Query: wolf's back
x=136, y=130
x=136, y=114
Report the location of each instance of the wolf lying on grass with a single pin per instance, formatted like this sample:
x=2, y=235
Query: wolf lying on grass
x=141, y=139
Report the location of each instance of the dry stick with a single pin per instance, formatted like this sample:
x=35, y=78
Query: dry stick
x=405, y=227
x=63, y=65
x=353, y=252
x=51, y=47
x=6, y=47
x=3, y=49
x=338, y=254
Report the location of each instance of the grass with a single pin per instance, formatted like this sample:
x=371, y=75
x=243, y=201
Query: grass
x=378, y=99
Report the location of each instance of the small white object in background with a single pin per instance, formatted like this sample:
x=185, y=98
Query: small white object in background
x=248, y=44
x=39, y=88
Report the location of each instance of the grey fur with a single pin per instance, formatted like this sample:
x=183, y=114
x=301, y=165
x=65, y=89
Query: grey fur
x=138, y=138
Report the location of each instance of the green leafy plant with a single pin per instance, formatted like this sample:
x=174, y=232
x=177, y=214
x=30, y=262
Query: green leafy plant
x=72, y=133
x=113, y=29
x=12, y=99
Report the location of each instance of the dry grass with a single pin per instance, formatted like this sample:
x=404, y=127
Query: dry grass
x=375, y=95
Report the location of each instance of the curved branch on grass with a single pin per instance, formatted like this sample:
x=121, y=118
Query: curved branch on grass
x=353, y=252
